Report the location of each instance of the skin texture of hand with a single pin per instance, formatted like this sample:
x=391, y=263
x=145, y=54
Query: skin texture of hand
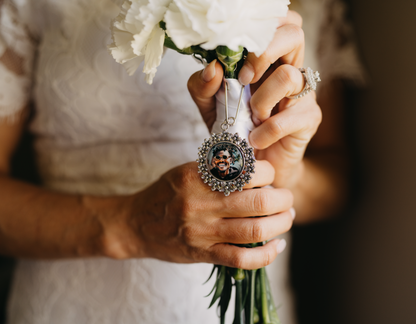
x=179, y=219
x=284, y=126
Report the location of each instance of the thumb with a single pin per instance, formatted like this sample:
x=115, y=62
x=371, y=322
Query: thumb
x=203, y=85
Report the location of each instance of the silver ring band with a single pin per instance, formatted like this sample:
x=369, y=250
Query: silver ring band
x=311, y=80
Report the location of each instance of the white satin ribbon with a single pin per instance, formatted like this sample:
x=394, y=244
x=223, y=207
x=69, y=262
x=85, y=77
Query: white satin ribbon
x=243, y=125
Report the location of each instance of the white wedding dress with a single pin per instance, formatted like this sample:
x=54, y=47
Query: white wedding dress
x=99, y=131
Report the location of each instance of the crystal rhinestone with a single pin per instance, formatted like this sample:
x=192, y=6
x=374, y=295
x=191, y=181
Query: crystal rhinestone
x=226, y=193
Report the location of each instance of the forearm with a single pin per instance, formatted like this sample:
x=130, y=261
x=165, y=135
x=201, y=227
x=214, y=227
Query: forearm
x=322, y=188
x=37, y=223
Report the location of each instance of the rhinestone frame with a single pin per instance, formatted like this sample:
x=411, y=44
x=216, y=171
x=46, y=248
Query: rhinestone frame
x=226, y=186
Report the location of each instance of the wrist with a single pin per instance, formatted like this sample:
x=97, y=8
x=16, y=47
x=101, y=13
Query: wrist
x=118, y=238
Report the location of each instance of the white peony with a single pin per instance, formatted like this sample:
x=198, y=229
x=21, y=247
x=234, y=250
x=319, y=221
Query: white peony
x=137, y=35
x=232, y=23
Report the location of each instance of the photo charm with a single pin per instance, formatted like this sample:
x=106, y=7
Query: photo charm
x=226, y=162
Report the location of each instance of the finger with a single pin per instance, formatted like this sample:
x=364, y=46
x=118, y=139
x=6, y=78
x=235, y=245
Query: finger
x=252, y=230
x=300, y=122
x=263, y=176
x=253, y=202
x=246, y=258
x=292, y=17
x=203, y=85
x=285, y=81
x=287, y=45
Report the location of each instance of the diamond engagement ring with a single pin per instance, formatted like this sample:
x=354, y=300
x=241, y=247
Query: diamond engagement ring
x=311, y=80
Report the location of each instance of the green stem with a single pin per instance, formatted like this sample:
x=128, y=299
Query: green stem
x=272, y=308
x=251, y=319
x=264, y=301
x=239, y=313
x=230, y=60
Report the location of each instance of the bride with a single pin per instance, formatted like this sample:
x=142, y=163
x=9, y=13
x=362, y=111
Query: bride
x=122, y=227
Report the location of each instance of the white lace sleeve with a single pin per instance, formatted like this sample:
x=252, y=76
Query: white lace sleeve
x=337, y=51
x=17, y=50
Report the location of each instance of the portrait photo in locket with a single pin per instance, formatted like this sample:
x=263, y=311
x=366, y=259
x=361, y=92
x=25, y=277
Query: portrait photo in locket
x=225, y=161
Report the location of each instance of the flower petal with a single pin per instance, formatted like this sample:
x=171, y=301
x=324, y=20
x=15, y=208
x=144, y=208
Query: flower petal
x=154, y=52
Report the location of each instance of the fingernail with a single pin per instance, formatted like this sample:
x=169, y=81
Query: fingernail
x=293, y=212
x=209, y=72
x=246, y=74
x=281, y=246
x=252, y=139
x=255, y=120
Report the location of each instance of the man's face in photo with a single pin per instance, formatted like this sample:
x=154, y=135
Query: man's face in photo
x=222, y=161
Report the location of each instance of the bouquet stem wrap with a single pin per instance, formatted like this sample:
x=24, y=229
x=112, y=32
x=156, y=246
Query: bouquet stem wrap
x=253, y=300
x=243, y=125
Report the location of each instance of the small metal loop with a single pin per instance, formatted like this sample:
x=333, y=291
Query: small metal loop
x=231, y=121
x=224, y=126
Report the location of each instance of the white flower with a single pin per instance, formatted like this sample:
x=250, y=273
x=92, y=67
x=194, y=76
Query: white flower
x=137, y=35
x=232, y=23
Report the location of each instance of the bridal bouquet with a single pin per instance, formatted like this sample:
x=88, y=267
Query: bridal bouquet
x=225, y=30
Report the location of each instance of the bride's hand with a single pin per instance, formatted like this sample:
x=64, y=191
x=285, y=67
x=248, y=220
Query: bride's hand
x=284, y=127
x=179, y=219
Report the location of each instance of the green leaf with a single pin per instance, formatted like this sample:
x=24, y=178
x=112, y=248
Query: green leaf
x=212, y=272
x=219, y=284
x=225, y=297
x=272, y=309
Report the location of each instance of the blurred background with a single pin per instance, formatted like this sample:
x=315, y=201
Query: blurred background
x=361, y=267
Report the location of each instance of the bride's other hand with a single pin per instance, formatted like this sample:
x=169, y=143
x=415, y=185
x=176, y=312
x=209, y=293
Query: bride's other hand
x=287, y=47
x=285, y=127
x=179, y=219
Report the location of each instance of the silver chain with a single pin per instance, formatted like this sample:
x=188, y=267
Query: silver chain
x=230, y=121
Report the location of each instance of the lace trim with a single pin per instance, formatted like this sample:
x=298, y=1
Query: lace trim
x=17, y=49
x=14, y=94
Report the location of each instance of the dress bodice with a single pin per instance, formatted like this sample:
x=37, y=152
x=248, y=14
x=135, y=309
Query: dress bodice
x=88, y=110
x=99, y=131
